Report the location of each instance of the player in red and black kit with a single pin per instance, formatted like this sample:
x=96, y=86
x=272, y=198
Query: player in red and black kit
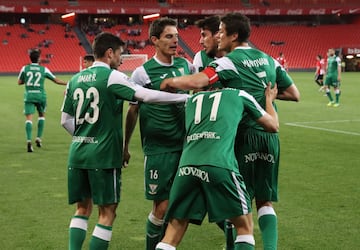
x=281, y=59
x=320, y=71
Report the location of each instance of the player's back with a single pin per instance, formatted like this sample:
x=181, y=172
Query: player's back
x=211, y=123
x=33, y=75
x=98, y=120
x=255, y=70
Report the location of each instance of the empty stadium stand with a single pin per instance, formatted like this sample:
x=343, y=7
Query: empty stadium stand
x=299, y=40
x=60, y=50
x=300, y=44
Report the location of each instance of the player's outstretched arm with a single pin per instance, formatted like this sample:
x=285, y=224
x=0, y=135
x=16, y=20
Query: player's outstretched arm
x=59, y=81
x=187, y=82
x=159, y=97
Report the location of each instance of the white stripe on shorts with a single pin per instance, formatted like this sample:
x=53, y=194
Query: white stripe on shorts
x=241, y=194
x=115, y=184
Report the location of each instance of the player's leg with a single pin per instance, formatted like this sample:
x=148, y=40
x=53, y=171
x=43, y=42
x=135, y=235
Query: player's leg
x=29, y=109
x=102, y=233
x=174, y=233
x=79, y=224
x=328, y=91
x=186, y=203
x=337, y=95
x=155, y=223
x=41, y=123
x=79, y=193
x=105, y=192
x=160, y=171
x=317, y=81
x=244, y=227
x=266, y=189
x=268, y=224
x=230, y=234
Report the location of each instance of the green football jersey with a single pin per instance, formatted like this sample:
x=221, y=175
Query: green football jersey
x=333, y=62
x=161, y=126
x=201, y=60
x=251, y=70
x=94, y=97
x=33, y=76
x=212, y=119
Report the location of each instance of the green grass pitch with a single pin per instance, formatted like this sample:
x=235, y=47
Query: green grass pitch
x=319, y=177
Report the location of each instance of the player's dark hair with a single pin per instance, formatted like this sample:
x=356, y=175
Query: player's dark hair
x=157, y=27
x=34, y=55
x=209, y=23
x=89, y=57
x=105, y=41
x=237, y=23
x=320, y=56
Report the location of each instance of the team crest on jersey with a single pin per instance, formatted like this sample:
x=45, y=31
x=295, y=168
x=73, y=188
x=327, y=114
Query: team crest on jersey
x=182, y=71
x=153, y=188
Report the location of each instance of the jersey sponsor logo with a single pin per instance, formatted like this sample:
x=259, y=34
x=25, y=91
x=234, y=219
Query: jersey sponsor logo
x=202, y=135
x=255, y=63
x=84, y=139
x=186, y=171
x=153, y=188
x=251, y=157
x=87, y=78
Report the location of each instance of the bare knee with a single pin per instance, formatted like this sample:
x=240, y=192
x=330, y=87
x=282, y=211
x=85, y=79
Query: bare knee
x=159, y=208
x=84, y=208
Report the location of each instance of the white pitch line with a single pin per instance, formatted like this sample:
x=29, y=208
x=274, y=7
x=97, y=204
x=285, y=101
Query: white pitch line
x=333, y=121
x=323, y=129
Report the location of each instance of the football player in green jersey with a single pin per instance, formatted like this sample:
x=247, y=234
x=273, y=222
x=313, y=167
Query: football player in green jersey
x=162, y=128
x=33, y=77
x=88, y=61
x=333, y=77
x=209, y=27
x=249, y=69
x=92, y=114
x=208, y=178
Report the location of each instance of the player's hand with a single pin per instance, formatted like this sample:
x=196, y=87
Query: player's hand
x=126, y=158
x=271, y=93
x=165, y=86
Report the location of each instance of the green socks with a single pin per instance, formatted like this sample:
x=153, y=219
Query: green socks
x=268, y=226
x=329, y=96
x=77, y=232
x=101, y=237
x=41, y=123
x=28, y=130
x=230, y=235
x=153, y=231
x=245, y=242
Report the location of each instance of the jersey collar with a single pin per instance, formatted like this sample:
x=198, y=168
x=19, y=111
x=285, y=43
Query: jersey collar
x=243, y=47
x=100, y=64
